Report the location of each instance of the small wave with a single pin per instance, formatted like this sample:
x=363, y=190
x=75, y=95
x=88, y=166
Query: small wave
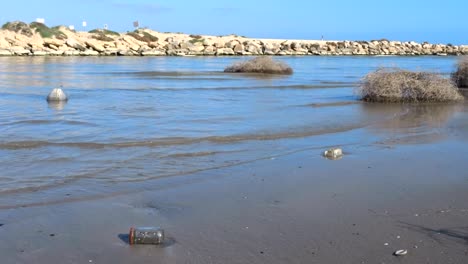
x=178, y=140
x=196, y=75
x=347, y=84
x=51, y=182
x=345, y=103
x=139, y=179
x=259, y=87
x=48, y=122
x=170, y=73
x=199, y=154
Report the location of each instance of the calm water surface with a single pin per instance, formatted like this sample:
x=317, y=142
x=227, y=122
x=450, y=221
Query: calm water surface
x=134, y=119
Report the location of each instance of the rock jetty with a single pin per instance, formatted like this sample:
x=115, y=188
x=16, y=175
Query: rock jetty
x=35, y=39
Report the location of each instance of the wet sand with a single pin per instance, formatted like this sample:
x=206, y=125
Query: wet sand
x=230, y=168
x=293, y=208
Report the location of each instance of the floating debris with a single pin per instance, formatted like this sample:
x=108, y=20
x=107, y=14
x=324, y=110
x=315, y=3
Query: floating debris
x=333, y=153
x=400, y=252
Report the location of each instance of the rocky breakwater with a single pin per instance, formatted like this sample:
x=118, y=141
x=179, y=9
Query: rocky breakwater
x=35, y=39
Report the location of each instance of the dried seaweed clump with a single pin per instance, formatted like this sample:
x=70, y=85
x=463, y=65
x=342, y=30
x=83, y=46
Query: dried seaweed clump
x=397, y=85
x=460, y=76
x=261, y=65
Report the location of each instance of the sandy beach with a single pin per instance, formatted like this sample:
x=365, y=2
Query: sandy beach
x=230, y=166
x=290, y=208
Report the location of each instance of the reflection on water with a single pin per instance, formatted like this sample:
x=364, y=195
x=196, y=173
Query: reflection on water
x=57, y=105
x=412, y=123
x=134, y=119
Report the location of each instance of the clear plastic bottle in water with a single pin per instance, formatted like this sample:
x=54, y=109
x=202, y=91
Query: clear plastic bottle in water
x=146, y=235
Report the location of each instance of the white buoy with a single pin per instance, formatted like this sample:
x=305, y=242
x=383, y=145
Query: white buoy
x=57, y=95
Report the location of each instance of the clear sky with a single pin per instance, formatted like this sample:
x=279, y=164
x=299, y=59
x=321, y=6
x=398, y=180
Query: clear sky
x=429, y=20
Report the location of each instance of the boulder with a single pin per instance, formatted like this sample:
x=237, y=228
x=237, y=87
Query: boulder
x=54, y=42
x=133, y=44
x=126, y=52
x=89, y=53
x=154, y=52
x=56, y=52
x=219, y=43
x=208, y=42
x=39, y=53
x=111, y=51
x=75, y=44
x=271, y=51
x=184, y=45
x=177, y=52
x=5, y=53
x=224, y=52
x=153, y=45
x=17, y=50
x=4, y=44
x=196, y=48
x=253, y=49
x=71, y=53
x=239, y=49
x=52, y=47
x=231, y=44
x=95, y=45
x=209, y=50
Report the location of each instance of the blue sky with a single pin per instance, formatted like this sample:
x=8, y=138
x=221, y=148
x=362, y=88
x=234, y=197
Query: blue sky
x=429, y=20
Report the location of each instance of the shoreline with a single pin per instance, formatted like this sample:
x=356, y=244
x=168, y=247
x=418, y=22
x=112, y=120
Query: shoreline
x=25, y=40
x=321, y=213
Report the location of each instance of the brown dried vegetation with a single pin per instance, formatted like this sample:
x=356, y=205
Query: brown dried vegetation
x=261, y=65
x=460, y=76
x=397, y=85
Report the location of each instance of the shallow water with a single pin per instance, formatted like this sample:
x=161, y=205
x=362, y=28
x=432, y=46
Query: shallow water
x=134, y=119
